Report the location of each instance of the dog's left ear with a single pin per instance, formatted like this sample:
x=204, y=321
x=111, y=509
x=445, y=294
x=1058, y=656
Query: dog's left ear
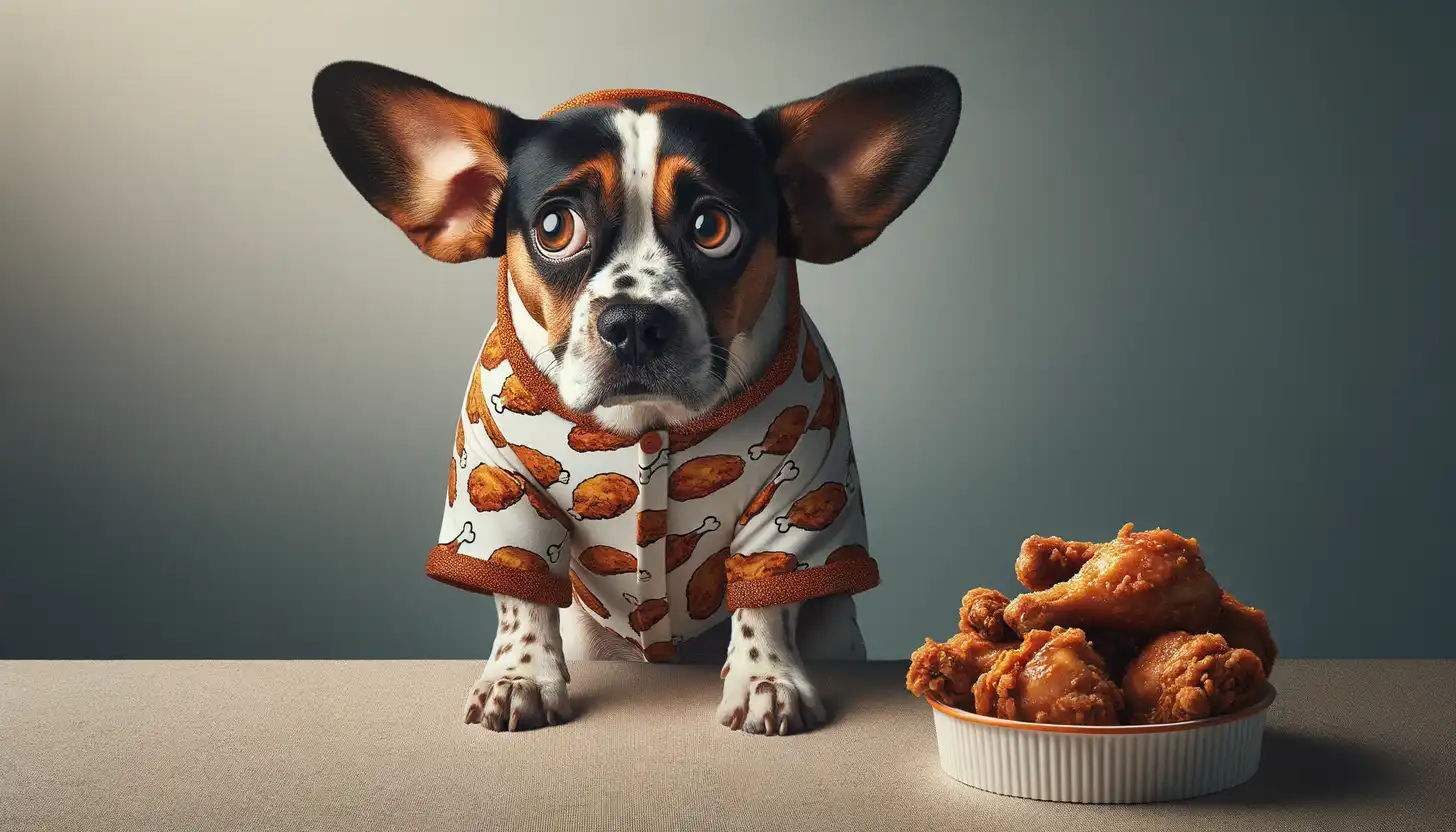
x=853, y=159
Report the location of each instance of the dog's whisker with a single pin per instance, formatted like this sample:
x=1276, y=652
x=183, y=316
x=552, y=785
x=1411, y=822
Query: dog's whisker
x=550, y=366
x=735, y=374
x=546, y=349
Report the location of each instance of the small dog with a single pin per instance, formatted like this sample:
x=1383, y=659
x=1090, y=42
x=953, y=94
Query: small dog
x=653, y=436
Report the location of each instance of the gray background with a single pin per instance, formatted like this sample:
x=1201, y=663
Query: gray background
x=1186, y=266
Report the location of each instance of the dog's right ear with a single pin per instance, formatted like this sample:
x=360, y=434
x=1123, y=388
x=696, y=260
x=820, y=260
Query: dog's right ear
x=431, y=161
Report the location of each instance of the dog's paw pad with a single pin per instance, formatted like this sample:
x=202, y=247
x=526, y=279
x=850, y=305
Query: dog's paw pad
x=516, y=703
x=770, y=704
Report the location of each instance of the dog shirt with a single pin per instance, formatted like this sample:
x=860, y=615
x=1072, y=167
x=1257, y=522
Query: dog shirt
x=662, y=535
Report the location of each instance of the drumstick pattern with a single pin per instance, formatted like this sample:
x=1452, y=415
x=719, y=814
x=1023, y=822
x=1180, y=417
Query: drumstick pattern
x=782, y=433
x=788, y=472
x=630, y=510
x=816, y=510
x=680, y=546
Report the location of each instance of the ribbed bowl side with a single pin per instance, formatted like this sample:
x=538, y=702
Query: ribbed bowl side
x=1100, y=767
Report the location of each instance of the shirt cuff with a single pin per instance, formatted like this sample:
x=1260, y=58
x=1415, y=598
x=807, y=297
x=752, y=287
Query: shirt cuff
x=489, y=578
x=838, y=576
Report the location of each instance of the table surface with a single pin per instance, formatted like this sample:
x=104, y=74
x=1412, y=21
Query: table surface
x=249, y=745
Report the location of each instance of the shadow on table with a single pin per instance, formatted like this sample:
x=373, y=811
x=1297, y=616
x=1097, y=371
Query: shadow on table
x=1296, y=768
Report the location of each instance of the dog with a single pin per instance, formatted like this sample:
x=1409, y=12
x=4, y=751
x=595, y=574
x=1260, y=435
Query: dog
x=653, y=437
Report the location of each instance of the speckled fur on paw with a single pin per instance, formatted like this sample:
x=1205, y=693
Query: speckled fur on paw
x=765, y=688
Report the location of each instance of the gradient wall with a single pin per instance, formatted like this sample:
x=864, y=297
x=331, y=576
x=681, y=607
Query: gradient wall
x=1187, y=265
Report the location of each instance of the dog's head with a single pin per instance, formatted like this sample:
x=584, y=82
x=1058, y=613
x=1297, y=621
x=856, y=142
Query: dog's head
x=642, y=231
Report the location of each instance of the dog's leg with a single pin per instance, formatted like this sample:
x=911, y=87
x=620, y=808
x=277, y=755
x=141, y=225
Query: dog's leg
x=828, y=630
x=523, y=685
x=583, y=639
x=765, y=688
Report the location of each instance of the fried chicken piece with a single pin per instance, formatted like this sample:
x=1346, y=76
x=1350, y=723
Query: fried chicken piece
x=646, y=614
x=979, y=652
x=603, y=497
x=1117, y=648
x=940, y=673
x=1244, y=626
x=708, y=586
x=743, y=567
x=1047, y=561
x=1142, y=582
x=1055, y=677
x=981, y=612
x=701, y=476
x=816, y=510
x=1180, y=677
x=947, y=672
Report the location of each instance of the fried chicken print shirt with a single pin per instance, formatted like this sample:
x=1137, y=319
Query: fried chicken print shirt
x=659, y=536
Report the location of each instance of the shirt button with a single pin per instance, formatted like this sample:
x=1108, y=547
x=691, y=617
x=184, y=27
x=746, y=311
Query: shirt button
x=651, y=443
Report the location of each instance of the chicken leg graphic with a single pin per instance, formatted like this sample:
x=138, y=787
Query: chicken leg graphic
x=657, y=463
x=788, y=472
x=818, y=509
x=467, y=535
x=553, y=552
x=680, y=546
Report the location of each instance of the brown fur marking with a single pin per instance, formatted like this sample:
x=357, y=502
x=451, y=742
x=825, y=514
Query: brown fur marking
x=603, y=171
x=737, y=309
x=668, y=171
x=549, y=309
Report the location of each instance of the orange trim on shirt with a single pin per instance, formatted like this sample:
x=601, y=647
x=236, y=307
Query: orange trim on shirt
x=846, y=577
x=486, y=578
x=608, y=96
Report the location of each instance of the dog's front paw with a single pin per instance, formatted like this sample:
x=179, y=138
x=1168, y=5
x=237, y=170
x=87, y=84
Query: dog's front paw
x=507, y=700
x=781, y=701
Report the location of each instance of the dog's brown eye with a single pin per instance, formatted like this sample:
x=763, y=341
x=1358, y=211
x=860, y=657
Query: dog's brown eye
x=715, y=232
x=560, y=233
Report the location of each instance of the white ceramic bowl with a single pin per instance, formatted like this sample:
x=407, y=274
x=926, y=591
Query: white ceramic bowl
x=1101, y=764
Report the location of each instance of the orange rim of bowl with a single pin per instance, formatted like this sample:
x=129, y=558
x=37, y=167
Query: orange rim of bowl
x=1115, y=730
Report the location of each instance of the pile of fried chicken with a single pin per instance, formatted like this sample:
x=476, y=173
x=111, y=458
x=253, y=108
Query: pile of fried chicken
x=1135, y=631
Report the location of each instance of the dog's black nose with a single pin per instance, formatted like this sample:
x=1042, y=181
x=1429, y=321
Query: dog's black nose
x=636, y=332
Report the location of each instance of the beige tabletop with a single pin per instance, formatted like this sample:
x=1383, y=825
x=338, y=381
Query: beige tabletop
x=381, y=745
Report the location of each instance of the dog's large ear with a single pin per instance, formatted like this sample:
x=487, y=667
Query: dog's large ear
x=853, y=159
x=431, y=161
